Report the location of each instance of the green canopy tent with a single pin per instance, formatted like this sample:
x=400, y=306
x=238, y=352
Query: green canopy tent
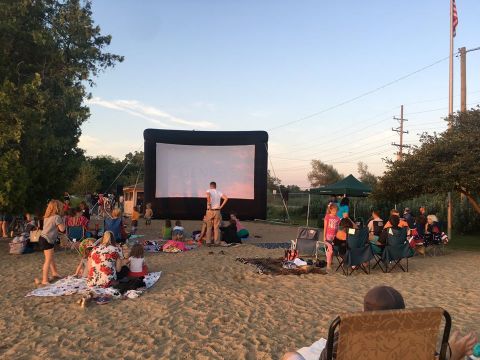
x=349, y=186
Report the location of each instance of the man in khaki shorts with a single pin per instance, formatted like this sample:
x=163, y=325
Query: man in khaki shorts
x=213, y=216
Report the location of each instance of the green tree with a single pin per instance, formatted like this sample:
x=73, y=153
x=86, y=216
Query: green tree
x=323, y=174
x=107, y=169
x=272, y=182
x=443, y=162
x=134, y=169
x=51, y=51
x=86, y=180
x=366, y=176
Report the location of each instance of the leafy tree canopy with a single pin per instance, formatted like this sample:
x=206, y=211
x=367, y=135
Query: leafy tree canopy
x=443, y=162
x=366, y=176
x=323, y=174
x=50, y=51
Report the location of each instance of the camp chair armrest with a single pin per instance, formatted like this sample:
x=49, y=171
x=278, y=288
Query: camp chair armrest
x=331, y=337
x=446, y=335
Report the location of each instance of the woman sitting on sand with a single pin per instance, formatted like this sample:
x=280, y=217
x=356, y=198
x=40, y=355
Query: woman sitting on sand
x=105, y=261
x=242, y=232
x=52, y=224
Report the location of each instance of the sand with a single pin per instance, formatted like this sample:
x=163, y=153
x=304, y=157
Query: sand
x=208, y=306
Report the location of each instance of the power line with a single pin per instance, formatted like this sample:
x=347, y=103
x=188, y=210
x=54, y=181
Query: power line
x=361, y=95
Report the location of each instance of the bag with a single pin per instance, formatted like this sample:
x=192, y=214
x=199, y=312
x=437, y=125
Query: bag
x=341, y=235
x=17, y=248
x=35, y=235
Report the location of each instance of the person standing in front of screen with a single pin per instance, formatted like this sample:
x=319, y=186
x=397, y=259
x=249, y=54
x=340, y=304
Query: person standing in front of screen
x=214, y=217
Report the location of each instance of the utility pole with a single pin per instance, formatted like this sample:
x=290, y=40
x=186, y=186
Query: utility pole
x=401, y=132
x=463, y=78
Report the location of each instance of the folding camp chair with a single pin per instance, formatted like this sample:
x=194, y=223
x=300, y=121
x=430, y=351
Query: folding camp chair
x=377, y=250
x=73, y=238
x=389, y=334
x=306, y=241
x=396, y=249
x=358, y=252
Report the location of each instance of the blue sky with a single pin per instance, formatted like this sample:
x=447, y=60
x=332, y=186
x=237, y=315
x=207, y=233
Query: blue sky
x=257, y=65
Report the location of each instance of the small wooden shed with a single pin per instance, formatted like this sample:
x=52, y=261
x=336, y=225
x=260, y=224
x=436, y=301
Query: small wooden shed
x=133, y=196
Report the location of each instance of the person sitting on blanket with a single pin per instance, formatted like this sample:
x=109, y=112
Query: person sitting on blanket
x=384, y=298
x=229, y=234
x=136, y=262
x=242, y=232
x=177, y=244
x=106, y=263
x=178, y=227
x=83, y=268
x=167, y=230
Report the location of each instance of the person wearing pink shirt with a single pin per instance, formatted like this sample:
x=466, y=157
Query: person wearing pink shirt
x=330, y=228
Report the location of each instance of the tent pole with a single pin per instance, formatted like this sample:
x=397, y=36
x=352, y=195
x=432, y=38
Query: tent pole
x=308, y=207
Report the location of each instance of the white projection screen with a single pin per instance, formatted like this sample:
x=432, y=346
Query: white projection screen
x=185, y=171
x=180, y=164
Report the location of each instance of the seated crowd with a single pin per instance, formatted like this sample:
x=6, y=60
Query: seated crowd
x=422, y=230
x=102, y=261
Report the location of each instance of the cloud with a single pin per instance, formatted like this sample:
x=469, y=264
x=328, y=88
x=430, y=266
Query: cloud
x=149, y=113
x=204, y=105
x=95, y=146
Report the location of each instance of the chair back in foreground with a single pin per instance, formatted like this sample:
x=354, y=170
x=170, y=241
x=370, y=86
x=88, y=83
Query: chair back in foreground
x=397, y=249
x=306, y=241
x=359, y=251
x=390, y=334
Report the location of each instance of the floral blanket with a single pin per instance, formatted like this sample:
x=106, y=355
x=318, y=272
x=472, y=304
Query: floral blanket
x=72, y=285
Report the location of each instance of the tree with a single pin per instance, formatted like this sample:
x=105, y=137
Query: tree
x=135, y=169
x=86, y=180
x=51, y=50
x=323, y=174
x=272, y=182
x=366, y=176
x=106, y=168
x=443, y=162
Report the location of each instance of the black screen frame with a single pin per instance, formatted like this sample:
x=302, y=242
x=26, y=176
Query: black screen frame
x=194, y=208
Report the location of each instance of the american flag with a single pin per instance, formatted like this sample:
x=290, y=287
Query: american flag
x=454, y=18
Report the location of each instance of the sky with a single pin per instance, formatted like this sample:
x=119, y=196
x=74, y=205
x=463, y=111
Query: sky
x=287, y=67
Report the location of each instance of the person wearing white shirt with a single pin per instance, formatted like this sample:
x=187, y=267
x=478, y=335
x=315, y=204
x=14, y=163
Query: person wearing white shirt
x=214, y=217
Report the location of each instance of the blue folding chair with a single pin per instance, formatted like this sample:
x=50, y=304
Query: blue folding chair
x=396, y=249
x=358, y=252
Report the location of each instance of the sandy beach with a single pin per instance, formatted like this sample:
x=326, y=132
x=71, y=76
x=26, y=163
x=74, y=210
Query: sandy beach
x=208, y=306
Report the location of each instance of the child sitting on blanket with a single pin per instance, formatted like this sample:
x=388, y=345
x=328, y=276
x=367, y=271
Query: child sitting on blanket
x=136, y=262
x=167, y=230
x=83, y=268
x=178, y=227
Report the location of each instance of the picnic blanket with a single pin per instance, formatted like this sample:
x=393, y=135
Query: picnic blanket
x=271, y=266
x=72, y=285
x=282, y=245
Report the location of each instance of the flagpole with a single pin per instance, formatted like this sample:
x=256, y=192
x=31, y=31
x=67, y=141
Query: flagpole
x=450, y=113
x=450, y=84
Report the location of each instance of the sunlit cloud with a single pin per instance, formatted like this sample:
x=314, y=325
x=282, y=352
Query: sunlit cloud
x=96, y=146
x=149, y=113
